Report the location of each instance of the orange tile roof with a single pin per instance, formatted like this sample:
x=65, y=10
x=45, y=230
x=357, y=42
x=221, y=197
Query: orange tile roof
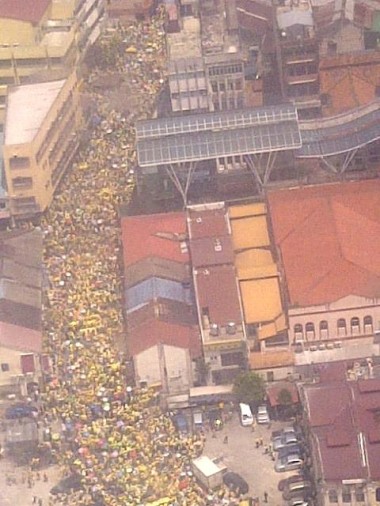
x=266, y=360
x=329, y=240
x=156, y=235
x=349, y=80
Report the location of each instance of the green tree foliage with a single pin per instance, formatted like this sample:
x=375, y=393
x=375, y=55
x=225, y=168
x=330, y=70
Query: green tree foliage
x=284, y=397
x=249, y=387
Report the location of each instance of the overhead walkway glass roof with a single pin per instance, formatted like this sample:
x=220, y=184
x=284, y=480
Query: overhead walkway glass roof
x=346, y=135
x=212, y=135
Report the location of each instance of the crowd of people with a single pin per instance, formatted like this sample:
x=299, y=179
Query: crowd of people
x=114, y=436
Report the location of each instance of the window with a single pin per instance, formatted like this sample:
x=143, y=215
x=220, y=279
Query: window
x=22, y=182
x=310, y=331
x=323, y=329
x=270, y=376
x=346, y=495
x=359, y=495
x=5, y=367
x=333, y=496
x=19, y=162
x=368, y=324
x=341, y=324
x=378, y=494
x=232, y=359
x=355, y=325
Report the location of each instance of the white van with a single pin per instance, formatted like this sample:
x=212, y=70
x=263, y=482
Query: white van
x=246, y=416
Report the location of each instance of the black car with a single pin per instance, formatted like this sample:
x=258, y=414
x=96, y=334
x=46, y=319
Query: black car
x=66, y=485
x=20, y=411
x=235, y=482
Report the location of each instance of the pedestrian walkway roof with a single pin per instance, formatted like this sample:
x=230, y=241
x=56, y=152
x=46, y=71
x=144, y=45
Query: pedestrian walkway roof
x=212, y=135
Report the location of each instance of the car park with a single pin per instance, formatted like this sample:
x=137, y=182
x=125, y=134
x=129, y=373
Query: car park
x=301, y=488
x=288, y=463
x=235, y=482
x=284, y=441
x=262, y=415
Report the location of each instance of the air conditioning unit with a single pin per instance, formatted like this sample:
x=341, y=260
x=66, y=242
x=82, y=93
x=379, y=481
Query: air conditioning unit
x=214, y=329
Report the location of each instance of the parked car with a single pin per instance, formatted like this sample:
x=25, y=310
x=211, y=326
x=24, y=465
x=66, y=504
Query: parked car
x=288, y=463
x=298, y=489
x=295, y=478
x=72, y=482
x=288, y=450
x=285, y=440
x=286, y=430
x=298, y=501
x=20, y=410
x=262, y=415
x=235, y=482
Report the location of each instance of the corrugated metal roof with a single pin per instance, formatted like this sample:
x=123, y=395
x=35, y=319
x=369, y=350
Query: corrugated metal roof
x=261, y=300
x=250, y=232
x=154, y=288
x=218, y=294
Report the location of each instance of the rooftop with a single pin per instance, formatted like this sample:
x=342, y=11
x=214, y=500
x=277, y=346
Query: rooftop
x=217, y=293
x=157, y=235
x=154, y=332
x=342, y=416
x=27, y=107
x=187, y=41
x=320, y=232
x=24, y=10
x=349, y=80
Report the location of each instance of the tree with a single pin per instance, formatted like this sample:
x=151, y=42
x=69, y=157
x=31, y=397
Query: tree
x=249, y=387
x=284, y=397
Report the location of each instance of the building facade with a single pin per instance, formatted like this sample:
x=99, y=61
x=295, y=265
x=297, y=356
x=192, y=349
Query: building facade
x=41, y=138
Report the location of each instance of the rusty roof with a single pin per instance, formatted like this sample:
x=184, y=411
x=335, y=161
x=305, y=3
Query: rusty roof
x=217, y=293
x=208, y=251
x=342, y=417
x=349, y=80
x=320, y=232
x=207, y=223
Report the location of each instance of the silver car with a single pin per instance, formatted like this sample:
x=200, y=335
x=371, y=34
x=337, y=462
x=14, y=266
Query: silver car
x=284, y=441
x=288, y=463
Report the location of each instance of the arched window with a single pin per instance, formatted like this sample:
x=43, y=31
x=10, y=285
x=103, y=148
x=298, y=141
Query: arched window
x=368, y=324
x=310, y=331
x=342, y=328
x=298, y=332
x=355, y=326
x=323, y=329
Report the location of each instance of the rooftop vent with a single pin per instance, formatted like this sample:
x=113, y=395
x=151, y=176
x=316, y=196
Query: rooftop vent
x=231, y=328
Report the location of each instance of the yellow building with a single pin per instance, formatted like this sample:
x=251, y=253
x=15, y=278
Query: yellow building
x=44, y=39
x=41, y=135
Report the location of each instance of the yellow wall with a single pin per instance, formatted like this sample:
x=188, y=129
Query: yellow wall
x=62, y=9
x=41, y=169
x=16, y=32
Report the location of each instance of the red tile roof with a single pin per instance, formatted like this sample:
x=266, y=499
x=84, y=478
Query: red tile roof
x=329, y=240
x=216, y=289
x=274, y=389
x=155, y=332
x=338, y=413
x=350, y=80
x=24, y=10
x=20, y=338
x=156, y=235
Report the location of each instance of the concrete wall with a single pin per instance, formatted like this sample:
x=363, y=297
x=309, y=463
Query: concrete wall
x=13, y=380
x=347, y=308
x=150, y=364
